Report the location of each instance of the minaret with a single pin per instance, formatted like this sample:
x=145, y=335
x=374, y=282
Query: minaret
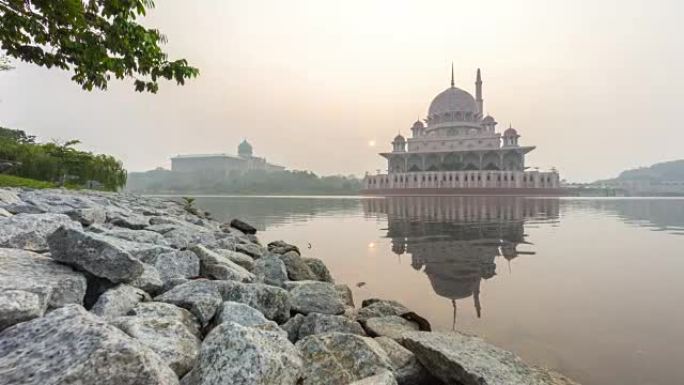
x=478, y=92
x=452, y=74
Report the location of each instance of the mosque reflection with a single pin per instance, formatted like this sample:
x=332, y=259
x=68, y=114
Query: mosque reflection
x=456, y=240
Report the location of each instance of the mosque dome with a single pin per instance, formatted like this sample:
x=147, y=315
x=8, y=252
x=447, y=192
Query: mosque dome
x=488, y=119
x=399, y=138
x=417, y=125
x=453, y=99
x=245, y=149
x=510, y=131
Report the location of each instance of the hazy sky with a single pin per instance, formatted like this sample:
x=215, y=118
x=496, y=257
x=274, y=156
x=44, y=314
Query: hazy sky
x=596, y=85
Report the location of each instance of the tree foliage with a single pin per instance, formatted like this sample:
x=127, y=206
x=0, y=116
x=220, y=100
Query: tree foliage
x=5, y=64
x=60, y=163
x=95, y=39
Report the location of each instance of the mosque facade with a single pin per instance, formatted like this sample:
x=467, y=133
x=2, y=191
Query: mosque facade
x=456, y=149
x=223, y=164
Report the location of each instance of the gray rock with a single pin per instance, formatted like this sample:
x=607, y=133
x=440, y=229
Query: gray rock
x=339, y=358
x=243, y=226
x=253, y=249
x=345, y=294
x=241, y=259
x=243, y=355
x=297, y=269
x=459, y=358
x=118, y=301
x=138, y=236
x=291, y=327
x=30, y=231
x=281, y=247
x=93, y=253
x=317, y=323
x=379, y=308
x=384, y=378
x=149, y=281
x=168, y=336
x=239, y=313
x=166, y=311
x=184, y=237
x=201, y=297
x=273, y=302
x=19, y=306
x=316, y=297
x=88, y=216
x=128, y=220
x=407, y=369
x=216, y=266
x=4, y=213
x=8, y=196
x=71, y=346
x=270, y=270
x=319, y=269
x=32, y=272
x=176, y=264
x=391, y=326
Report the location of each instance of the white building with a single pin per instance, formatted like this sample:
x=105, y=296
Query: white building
x=457, y=149
x=223, y=164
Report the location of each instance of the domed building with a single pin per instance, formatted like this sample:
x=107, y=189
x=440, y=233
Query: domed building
x=456, y=149
x=223, y=164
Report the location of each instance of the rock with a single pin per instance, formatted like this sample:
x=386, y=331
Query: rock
x=4, y=213
x=19, y=306
x=138, y=236
x=168, y=336
x=30, y=231
x=201, y=297
x=243, y=226
x=71, y=346
x=149, y=281
x=175, y=264
x=380, y=308
x=316, y=297
x=184, y=237
x=270, y=270
x=253, y=249
x=281, y=247
x=407, y=370
x=118, y=301
x=318, y=268
x=339, y=358
x=216, y=266
x=291, y=327
x=93, y=253
x=317, y=323
x=241, y=355
x=459, y=358
x=240, y=314
x=384, y=378
x=27, y=271
x=128, y=220
x=297, y=269
x=240, y=259
x=161, y=310
x=391, y=326
x=273, y=302
x=87, y=216
x=8, y=196
x=345, y=294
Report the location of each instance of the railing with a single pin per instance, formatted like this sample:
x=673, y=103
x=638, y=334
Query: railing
x=463, y=179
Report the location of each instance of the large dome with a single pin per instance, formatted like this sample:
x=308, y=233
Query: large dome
x=453, y=99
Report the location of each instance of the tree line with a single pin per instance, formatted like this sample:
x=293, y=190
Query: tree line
x=59, y=163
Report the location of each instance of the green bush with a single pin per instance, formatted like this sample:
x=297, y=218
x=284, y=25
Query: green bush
x=15, y=181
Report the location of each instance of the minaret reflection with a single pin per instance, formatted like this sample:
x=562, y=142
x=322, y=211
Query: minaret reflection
x=455, y=240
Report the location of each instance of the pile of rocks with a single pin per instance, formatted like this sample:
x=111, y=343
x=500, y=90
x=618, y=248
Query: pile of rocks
x=102, y=289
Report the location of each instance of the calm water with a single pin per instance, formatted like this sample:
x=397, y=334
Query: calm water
x=592, y=288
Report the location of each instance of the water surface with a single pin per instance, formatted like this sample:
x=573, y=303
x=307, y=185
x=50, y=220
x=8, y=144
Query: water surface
x=590, y=287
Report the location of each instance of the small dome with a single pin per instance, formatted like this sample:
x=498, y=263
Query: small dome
x=510, y=131
x=399, y=138
x=417, y=125
x=489, y=119
x=453, y=99
x=245, y=149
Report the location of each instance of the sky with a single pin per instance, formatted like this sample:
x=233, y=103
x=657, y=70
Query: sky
x=596, y=85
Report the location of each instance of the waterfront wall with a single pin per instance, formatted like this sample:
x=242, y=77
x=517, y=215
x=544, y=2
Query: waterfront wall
x=463, y=180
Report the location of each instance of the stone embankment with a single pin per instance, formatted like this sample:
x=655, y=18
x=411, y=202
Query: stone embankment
x=99, y=289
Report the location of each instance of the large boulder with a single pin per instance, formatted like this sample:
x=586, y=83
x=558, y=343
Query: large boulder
x=316, y=297
x=175, y=264
x=273, y=302
x=139, y=236
x=391, y=326
x=240, y=259
x=406, y=367
x=19, y=306
x=201, y=297
x=281, y=247
x=254, y=250
x=172, y=335
x=161, y=310
x=149, y=281
x=270, y=270
x=317, y=323
x=340, y=358
x=319, y=269
x=242, y=355
x=93, y=253
x=297, y=269
x=71, y=346
x=30, y=231
x=468, y=360
x=291, y=327
x=31, y=272
x=216, y=266
x=240, y=314
x=118, y=301
x=371, y=308
x=345, y=294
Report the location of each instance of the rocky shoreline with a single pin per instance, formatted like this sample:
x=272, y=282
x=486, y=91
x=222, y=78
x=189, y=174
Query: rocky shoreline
x=99, y=288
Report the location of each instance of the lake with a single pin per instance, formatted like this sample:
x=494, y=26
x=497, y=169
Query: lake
x=590, y=287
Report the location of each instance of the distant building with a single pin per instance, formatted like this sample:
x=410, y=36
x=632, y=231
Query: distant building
x=223, y=164
x=457, y=149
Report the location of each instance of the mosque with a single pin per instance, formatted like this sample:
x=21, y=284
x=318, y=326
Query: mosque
x=223, y=164
x=458, y=150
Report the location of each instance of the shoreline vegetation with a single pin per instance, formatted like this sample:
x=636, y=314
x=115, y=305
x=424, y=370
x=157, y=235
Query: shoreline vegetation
x=153, y=291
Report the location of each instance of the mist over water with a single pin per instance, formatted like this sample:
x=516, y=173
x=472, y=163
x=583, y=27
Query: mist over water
x=590, y=287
